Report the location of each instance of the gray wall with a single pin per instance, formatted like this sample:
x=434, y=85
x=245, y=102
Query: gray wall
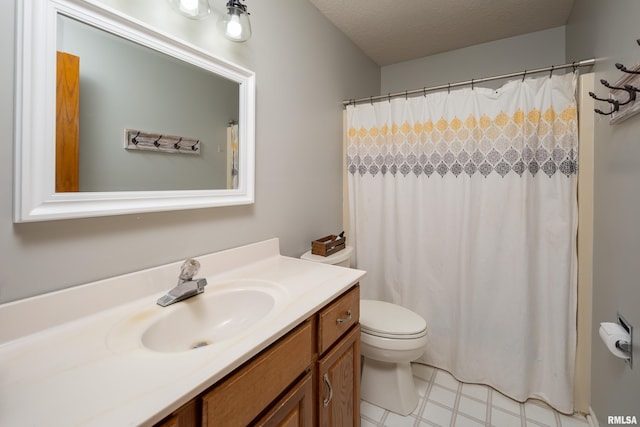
x=608, y=31
x=124, y=85
x=529, y=51
x=303, y=71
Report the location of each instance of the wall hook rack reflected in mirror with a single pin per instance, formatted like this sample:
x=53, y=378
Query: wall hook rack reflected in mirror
x=140, y=140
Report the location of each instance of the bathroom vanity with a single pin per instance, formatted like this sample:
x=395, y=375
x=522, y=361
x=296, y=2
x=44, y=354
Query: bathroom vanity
x=106, y=354
x=312, y=373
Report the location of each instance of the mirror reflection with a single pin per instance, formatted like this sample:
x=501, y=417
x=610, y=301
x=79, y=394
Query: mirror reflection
x=107, y=87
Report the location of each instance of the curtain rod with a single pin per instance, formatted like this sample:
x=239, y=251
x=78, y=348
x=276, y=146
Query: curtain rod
x=574, y=65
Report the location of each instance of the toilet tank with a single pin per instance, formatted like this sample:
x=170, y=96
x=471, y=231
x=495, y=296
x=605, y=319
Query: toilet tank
x=341, y=258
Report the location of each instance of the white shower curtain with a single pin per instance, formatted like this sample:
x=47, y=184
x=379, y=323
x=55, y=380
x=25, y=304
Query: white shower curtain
x=463, y=208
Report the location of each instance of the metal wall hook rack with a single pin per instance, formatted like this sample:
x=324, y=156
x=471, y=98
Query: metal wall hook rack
x=632, y=97
x=594, y=96
x=630, y=91
x=607, y=85
x=624, y=69
x=615, y=109
x=622, y=94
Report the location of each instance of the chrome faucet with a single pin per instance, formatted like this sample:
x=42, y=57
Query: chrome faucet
x=187, y=286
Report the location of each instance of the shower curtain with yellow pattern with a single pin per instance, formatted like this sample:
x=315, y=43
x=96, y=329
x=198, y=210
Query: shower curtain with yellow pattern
x=463, y=208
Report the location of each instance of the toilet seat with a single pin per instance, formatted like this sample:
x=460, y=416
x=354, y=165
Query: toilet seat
x=386, y=320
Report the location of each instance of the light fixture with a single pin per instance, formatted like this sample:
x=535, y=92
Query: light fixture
x=194, y=9
x=235, y=24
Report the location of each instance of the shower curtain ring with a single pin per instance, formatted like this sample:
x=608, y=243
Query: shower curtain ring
x=449, y=88
x=406, y=95
x=471, y=84
x=551, y=72
x=389, y=96
x=371, y=100
x=524, y=75
x=424, y=91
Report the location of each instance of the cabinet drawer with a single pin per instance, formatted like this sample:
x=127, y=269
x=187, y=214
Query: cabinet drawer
x=237, y=400
x=336, y=318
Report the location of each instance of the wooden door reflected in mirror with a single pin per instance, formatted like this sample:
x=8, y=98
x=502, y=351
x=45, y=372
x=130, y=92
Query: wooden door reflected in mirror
x=67, y=122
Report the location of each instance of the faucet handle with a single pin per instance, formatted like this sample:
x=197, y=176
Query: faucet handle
x=189, y=268
x=201, y=283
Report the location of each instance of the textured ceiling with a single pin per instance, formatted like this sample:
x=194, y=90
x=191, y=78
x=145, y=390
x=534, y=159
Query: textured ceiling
x=395, y=31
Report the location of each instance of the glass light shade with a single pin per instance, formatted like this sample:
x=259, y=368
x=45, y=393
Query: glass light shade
x=235, y=25
x=194, y=9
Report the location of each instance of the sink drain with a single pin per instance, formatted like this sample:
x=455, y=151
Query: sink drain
x=200, y=344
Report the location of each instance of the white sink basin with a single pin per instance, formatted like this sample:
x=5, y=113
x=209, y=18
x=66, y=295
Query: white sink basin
x=222, y=312
x=208, y=319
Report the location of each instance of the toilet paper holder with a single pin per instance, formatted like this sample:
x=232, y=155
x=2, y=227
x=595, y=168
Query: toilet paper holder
x=618, y=339
x=626, y=346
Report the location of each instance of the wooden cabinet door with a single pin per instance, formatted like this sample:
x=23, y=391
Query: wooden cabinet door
x=241, y=397
x=295, y=409
x=339, y=383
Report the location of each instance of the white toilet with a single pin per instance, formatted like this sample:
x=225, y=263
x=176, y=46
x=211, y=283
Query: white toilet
x=391, y=338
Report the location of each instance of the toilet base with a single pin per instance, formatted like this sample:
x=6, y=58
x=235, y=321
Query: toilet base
x=389, y=386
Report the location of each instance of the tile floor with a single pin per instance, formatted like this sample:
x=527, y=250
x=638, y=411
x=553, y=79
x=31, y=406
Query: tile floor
x=446, y=402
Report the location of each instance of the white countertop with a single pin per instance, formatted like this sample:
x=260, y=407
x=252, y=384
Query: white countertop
x=66, y=359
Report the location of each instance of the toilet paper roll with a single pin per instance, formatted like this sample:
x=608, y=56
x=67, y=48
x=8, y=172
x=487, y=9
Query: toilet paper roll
x=611, y=333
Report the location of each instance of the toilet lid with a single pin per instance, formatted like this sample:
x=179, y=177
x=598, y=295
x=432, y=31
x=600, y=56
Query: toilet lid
x=390, y=320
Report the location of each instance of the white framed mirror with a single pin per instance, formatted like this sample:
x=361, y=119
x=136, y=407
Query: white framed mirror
x=195, y=140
